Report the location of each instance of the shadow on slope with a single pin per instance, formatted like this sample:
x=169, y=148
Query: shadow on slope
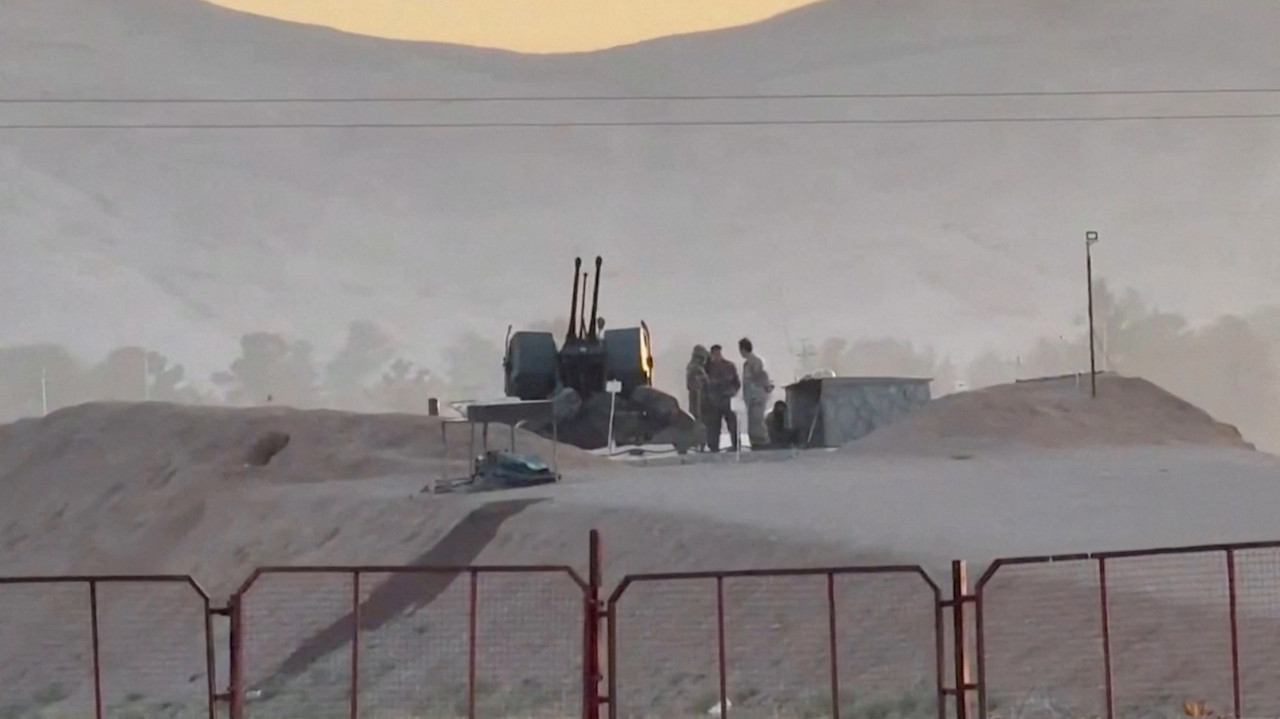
x=405, y=593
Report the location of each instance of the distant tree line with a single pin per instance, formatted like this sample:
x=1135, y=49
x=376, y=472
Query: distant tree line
x=1230, y=367
x=33, y=376
x=367, y=373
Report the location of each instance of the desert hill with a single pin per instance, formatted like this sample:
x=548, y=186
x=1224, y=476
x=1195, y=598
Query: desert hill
x=1054, y=413
x=183, y=240
x=137, y=486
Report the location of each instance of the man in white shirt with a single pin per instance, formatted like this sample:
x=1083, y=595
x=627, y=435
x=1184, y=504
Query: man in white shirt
x=756, y=388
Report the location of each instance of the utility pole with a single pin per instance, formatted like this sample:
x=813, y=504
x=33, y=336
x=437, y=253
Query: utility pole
x=1090, y=238
x=44, y=392
x=806, y=355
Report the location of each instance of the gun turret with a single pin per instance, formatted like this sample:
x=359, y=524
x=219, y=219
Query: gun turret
x=573, y=375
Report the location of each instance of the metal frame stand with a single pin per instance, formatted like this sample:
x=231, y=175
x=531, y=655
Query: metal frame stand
x=445, y=483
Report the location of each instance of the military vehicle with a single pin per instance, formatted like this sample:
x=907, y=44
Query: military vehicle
x=575, y=376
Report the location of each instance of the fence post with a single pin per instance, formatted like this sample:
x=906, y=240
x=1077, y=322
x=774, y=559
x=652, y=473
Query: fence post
x=210, y=660
x=1109, y=692
x=473, y=635
x=980, y=645
x=97, y=654
x=235, y=658
x=959, y=597
x=1236, y=703
x=591, y=674
x=720, y=646
x=833, y=645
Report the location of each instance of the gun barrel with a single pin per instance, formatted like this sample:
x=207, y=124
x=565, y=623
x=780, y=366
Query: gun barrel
x=582, y=310
x=595, y=301
x=573, y=304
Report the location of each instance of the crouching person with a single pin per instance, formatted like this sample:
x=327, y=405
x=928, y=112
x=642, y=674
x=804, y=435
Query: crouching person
x=780, y=436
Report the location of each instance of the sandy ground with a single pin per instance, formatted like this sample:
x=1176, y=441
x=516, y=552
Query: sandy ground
x=116, y=488
x=931, y=510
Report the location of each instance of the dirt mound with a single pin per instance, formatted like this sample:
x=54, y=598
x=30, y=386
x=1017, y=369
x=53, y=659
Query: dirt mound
x=1054, y=412
x=117, y=487
x=273, y=443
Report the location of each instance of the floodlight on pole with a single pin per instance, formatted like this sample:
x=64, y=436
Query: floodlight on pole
x=613, y=387
x=1091, y=238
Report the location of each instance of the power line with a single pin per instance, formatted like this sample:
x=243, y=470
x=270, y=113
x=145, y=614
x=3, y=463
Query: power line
x=633, y=98
x=649, y=123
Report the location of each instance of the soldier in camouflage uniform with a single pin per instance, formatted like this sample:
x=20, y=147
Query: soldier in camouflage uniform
x=696, y=382
x=723, y=384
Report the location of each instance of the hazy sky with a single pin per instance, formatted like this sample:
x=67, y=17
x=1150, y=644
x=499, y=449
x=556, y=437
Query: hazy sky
x=959, y=236
x=532, y=26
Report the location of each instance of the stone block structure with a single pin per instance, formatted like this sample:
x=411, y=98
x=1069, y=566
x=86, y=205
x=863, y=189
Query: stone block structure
x=833, y=411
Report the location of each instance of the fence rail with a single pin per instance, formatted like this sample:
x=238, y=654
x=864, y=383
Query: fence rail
x=1118, y=635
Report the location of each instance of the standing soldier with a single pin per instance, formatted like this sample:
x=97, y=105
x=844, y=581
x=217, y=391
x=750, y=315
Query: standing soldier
x=723, y=385
x=756, y=388
x=696, y=381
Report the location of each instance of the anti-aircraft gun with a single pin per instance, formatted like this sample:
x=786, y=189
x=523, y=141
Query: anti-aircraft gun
x=575, y=377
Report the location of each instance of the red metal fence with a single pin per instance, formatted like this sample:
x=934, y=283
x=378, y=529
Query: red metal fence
x=1127, y=635
x=1132, y=635
x=777, y=643
x=410, y=641
x=105, y=646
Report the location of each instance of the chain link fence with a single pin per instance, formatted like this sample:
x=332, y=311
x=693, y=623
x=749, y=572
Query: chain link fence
x=114, y=647
x=1122, y=635
x=1131, y=635
x=421, y=642
x=841, y=643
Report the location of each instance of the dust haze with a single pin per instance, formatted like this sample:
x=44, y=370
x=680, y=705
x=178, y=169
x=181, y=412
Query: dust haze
x=220, y=269
x=372, y=268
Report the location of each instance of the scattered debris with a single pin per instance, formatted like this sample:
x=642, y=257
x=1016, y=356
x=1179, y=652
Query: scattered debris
x=499, y=469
